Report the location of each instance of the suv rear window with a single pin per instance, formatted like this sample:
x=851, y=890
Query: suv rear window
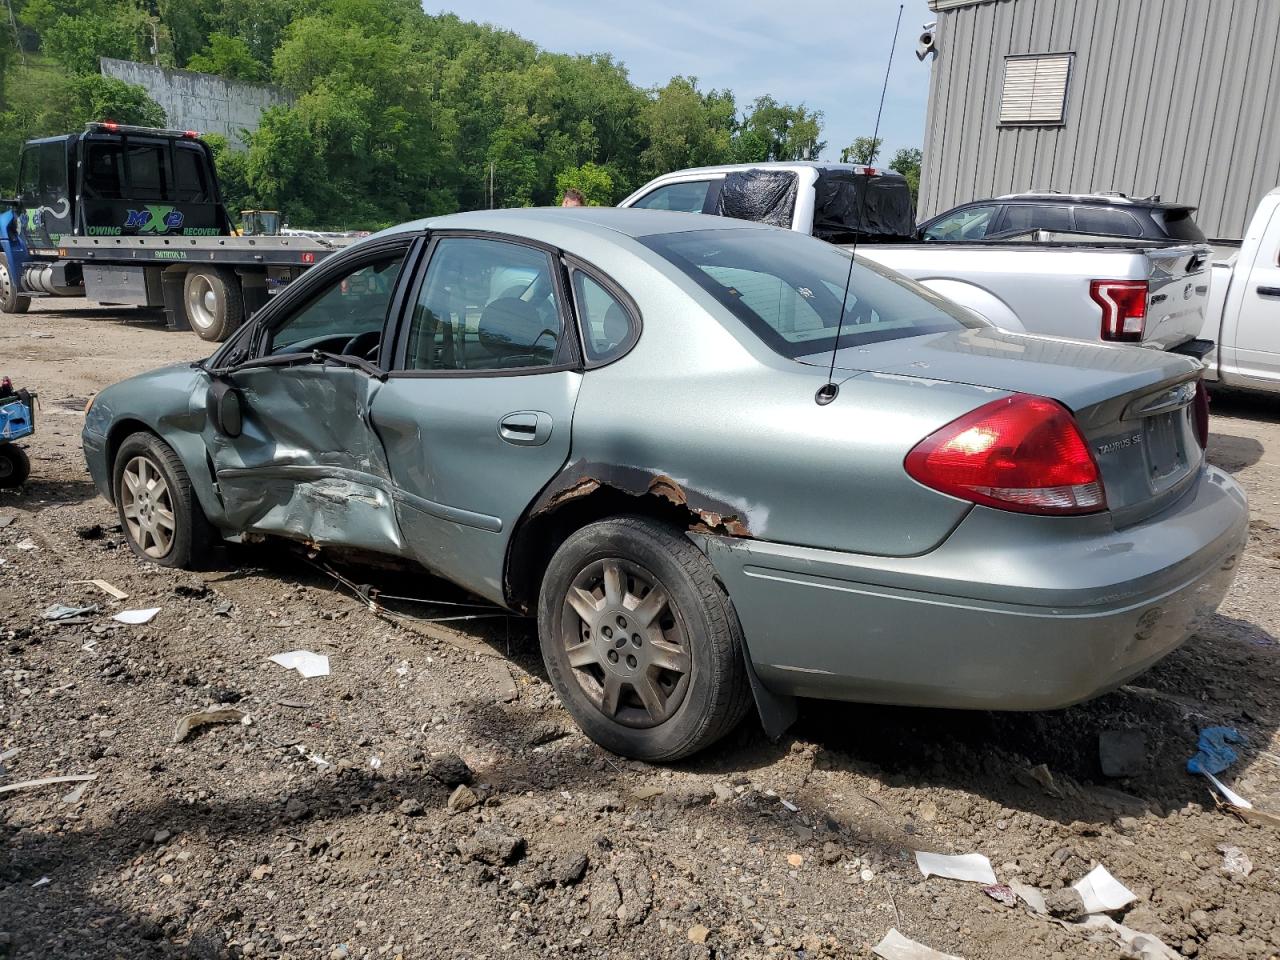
x=787, y=289
x=1105, y=222
x=1179, y=224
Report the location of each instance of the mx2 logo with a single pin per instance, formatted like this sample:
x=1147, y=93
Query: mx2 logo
x=154, y=219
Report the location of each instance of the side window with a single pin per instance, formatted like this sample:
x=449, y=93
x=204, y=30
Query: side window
x=971, y=223
x=607, y=326
x=687, y=197
x=189, y=179
x=484, y=305
x=347, y=316
x=1019, y=217
x=1111, y=223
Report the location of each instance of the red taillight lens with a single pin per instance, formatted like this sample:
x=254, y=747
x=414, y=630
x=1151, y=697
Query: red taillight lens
x=1124, y=308
x=1020, y=453
x=1200, y=414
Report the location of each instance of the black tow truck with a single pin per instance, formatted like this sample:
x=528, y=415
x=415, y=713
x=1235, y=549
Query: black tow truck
x=134, y=215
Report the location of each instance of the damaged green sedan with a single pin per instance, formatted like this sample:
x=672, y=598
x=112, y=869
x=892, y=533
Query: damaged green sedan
x=621, y=422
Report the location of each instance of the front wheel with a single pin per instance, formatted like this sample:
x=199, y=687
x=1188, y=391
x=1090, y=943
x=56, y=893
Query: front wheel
x=640, y=640
x=10, y=302
x=15, y=466
x=161, y=517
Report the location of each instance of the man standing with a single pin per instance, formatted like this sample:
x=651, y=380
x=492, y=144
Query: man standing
x=573, y=198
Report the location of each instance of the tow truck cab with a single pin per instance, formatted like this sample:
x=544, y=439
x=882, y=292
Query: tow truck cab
x=112, y=180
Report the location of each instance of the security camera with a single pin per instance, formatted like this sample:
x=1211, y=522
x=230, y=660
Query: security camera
x=927, y=43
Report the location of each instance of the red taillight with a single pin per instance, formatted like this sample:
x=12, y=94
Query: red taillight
x=1020, y=453
x=1124, y=308
x=111, y=125
x=1200, y=414
x=191, y=134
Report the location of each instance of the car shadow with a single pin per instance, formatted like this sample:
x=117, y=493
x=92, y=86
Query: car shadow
x=1233, y=454
x=1246, y=404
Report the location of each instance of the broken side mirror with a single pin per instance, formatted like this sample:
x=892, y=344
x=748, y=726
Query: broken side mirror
x=222, y=404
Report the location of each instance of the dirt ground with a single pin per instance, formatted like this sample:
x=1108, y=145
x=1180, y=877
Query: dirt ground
x=330, y=823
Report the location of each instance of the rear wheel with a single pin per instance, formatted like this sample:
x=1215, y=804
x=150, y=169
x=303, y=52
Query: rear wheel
x=15, y=466
x=10, y=302
x=161, y=517
x=214, y=303
x=640, y=640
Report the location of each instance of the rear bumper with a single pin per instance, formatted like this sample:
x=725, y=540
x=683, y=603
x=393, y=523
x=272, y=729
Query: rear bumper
x=1010, y=613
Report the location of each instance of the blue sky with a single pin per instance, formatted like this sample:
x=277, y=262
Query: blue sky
x=829, y=55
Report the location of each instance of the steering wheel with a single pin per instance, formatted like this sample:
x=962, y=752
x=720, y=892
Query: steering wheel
x=363, y=344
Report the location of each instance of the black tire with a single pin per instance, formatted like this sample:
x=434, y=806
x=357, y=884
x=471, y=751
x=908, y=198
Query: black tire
x=717, y=693
x=10, y=302
x=192, y=535
x=213, y=302
x=15, y=466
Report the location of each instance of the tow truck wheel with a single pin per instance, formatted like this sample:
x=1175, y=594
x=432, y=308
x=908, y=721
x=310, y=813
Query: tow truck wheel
x=10, y=302
x=214, y=303
x=15, y=467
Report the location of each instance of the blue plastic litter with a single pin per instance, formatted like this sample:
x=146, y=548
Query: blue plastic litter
x=1213, y=755
x=15, y=421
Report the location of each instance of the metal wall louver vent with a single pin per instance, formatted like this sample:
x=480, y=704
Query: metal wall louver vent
x=1035, y=89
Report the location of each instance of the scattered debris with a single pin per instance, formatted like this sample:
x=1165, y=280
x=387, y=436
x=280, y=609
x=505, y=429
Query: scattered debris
x=411, y=807
x=493, y=844
x=1040, y=774
x=699, y=933
x=1001, y=893
x=647, y=792
x=450, y=769
x=1235, y=862
x=1102, y=893
x=107, y=588
x=6, y=519
x=307, y=664
x=293, y=704
x=1122, y=753
x=1029, y=895
x=1065, y=904
x=44, y=782
x=895, y=946
x=1140, y=946
x=508, y=692
x=1212, y=753
x=203, y=718
x=77, y=793
x=27, y=544
x=315, y=758
x=462, y=799
x=795, y=860
x=137, y=617
x=60, y=611
x=92, y=531
x=1234, y=799
x=972, y=867
x=41, y=882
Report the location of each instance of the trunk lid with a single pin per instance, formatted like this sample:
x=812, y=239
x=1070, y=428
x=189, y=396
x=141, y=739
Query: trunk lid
x=1134, y=406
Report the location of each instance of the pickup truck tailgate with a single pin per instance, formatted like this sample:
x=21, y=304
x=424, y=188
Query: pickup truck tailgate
x=1178, y=289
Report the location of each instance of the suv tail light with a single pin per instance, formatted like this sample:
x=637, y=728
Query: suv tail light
x=1200, y=414
x=1021, y=453
x=1124, y=308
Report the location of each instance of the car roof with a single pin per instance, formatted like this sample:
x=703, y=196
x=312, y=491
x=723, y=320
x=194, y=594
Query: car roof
x=552, y=224
x=1117, y=199
x=781, y=165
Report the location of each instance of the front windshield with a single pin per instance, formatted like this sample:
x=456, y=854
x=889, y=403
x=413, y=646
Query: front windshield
x=787, y=288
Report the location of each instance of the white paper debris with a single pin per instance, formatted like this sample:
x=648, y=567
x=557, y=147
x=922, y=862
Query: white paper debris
x=973, y=867
x=1029, y=895
x=895, y=946
x=1101, y=892
x=26, y=545
x=1141, y=946
x=1228, y=794
x=304, y=661
x=41, y=882
x=137, y=617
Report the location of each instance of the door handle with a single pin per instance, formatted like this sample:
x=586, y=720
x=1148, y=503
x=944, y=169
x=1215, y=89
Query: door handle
x=1269, y=291
x=526, y=428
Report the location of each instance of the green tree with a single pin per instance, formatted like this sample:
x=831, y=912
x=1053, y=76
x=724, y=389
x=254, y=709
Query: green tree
x=227, y=57
x=779, y=131
x=92, y=96
x=76, y=42
x=907, y=162
x=862, y=150
x=591, y=180
x=686, y=127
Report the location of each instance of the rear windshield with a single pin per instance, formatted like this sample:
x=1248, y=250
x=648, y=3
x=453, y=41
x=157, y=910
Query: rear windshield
x=136, y=168
x=787, y=288
x=1179, y=224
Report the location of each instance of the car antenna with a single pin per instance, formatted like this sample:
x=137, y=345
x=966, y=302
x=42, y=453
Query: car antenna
x=829, y=390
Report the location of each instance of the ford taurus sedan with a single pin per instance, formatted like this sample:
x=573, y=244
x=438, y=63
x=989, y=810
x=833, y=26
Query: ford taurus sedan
x=622, y=422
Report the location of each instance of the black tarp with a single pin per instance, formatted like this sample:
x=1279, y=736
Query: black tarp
x=849, y=205
x=764, y=196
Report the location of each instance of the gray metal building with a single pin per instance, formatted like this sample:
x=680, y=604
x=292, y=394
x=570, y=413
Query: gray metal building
x=1173, y=97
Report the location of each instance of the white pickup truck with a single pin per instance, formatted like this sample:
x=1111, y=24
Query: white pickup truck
x=1067, y=285
x=1243, y=313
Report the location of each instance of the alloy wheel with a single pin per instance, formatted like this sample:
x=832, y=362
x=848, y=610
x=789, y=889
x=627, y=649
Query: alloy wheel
x=148, y=507
x=202, y=302
x=625, y=643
